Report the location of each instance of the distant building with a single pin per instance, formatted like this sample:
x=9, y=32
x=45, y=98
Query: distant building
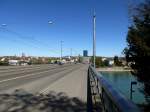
x=85, y=53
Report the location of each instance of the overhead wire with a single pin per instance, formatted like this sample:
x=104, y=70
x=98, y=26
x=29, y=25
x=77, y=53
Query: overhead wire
x=29, y=39
x=34, y=40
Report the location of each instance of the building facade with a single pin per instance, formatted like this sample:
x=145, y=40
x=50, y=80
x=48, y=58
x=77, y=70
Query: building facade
x=85, y=53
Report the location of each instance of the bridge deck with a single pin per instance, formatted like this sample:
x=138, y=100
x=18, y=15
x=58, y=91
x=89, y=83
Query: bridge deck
x=73, y=84
x=56, y=90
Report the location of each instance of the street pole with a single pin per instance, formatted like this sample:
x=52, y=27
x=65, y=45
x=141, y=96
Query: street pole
x=61, y=50
x=94, y=38
x=71, y=52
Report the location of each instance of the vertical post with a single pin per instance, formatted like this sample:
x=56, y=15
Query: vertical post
x=94, y=38
x=71, y=52
x=131, y=91
x=131, y=88
x=61, y=50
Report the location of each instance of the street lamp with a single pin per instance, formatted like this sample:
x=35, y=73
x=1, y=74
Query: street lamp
x=70, y=52
x=3, y=25
x=94, y=38
x=50, y=22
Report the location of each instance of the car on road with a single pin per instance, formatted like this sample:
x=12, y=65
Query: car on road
x=60, y=63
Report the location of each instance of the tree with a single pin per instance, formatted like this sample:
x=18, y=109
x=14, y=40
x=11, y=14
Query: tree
x=80, y=59
x=4, y=63
x=117, y=62
x=98, y=61
x=138, y=38
x=106, y=63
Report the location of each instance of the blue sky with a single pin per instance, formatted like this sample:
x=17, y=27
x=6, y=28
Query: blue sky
x=28, y=30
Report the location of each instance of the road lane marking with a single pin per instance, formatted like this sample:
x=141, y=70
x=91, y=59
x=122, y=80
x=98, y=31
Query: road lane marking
x=30, y=75
x=23, y=76
x=7, y=73
x=26, y=68
x=44, y=91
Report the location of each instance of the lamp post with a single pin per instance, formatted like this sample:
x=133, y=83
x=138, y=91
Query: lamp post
x=71, y=52
x=94, y=38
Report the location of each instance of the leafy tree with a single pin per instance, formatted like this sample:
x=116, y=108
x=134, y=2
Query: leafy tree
x=4, y=63
x=106, y=63
x=98, y=61
x=80, y=59
x=49, y=60
x=138, y=39
x=117, y=62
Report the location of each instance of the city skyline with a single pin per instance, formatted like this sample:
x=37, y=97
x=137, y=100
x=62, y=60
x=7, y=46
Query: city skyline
x=25, y=27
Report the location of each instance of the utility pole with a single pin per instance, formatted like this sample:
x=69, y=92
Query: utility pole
x=94, y=38
x=61, y=50
x=71, y=52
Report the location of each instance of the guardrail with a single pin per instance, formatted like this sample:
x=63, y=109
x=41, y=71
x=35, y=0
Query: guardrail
x=103, y=97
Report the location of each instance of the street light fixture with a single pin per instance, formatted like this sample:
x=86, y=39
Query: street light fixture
x=3, y=25
x=50, y=22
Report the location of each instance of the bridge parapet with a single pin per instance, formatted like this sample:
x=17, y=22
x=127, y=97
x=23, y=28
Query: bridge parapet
x=103, y=97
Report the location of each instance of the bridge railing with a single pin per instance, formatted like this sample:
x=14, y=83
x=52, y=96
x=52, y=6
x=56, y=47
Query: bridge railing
x=103, y=97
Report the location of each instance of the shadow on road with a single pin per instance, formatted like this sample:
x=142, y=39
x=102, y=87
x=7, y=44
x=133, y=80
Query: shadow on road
x=21, y=101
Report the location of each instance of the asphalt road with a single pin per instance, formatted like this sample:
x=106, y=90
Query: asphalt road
x=43, y=88
x=37, y=78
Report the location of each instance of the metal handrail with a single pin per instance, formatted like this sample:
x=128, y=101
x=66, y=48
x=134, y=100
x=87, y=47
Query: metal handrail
x=111, y=99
